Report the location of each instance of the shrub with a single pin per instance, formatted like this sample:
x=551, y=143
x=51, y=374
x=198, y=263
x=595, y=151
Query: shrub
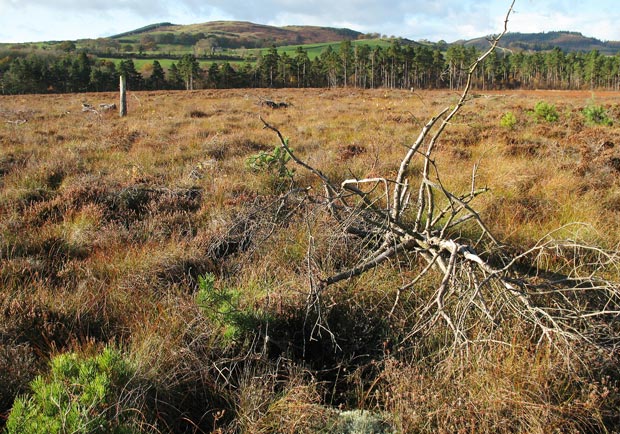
x=273, y=162
x=222, y=305
x=197, y=114
x=545, y=111
x=596, y=115
x=509, y=120
x=78, y=395
x=274, y=165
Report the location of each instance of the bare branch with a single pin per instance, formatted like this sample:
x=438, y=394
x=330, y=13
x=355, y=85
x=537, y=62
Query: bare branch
x=476, y=292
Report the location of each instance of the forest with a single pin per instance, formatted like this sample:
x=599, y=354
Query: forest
x=397, y=66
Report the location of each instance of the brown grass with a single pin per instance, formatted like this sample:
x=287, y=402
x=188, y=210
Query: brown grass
x=106, y=224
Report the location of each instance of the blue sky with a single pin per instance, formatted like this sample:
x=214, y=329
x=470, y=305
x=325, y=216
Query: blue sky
x=450, y=20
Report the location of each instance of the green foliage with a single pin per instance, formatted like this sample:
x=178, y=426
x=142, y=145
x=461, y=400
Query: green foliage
x=222, y=305
x=246, y=61
x=128, y=69
x=274, y=163
x=157, y=80
x=79, y=395
x=545, y=111
x=596, y=115
x=509, y=120
x=189, y=68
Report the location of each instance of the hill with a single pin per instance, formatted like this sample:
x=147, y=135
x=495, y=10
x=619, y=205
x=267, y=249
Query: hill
x=242, y=34
x=168, y=40
x=565, y=40
x=236, y=34
x=141, y=30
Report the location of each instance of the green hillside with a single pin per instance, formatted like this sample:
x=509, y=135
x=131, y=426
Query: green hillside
x=140, y=30
x=233, y=34
x=314, y=50
x=240, y=41
x=238, y=57
x=566, y=41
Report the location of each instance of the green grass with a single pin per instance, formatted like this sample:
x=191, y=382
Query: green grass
x=315, y=50
x=167, y=63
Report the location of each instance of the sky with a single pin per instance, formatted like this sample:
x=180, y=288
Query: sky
x=434, y=20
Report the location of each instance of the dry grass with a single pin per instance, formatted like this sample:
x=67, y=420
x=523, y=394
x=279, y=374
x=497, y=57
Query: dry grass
x=106, y=224
x=501, y=390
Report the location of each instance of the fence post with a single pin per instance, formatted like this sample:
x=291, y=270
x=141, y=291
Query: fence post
x=123, y=102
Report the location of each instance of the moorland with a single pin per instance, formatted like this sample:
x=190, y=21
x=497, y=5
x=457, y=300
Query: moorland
x=156, y=268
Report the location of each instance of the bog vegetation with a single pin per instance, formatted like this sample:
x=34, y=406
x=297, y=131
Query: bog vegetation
x=159, y=272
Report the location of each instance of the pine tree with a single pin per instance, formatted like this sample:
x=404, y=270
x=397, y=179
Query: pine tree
x=134, y=78
x=157, y=80
x=175, y=80
x=269, y=66
x=189, y=68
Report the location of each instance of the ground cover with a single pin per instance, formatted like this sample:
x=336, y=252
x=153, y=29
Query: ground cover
x=178, y=237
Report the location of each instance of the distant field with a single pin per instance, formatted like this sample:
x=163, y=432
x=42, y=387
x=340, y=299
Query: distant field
x=313, y=50
x=166, y=63
x=182, y=237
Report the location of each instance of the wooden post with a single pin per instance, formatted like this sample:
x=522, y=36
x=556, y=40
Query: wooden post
x=123, y=102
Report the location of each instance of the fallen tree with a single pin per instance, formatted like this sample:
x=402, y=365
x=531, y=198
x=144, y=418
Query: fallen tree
x=481, y=284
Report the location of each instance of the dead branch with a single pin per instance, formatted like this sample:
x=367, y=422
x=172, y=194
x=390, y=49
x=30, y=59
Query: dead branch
x=274, y=104
x=107, y=107
x=89, y=108
x=479, y=286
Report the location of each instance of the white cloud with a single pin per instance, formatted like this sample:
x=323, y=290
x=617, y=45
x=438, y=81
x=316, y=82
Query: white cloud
x=28, y=20
x=590, y=24
x=68, y=7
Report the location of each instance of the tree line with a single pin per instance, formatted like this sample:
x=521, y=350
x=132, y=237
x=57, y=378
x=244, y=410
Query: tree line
x=398, y=66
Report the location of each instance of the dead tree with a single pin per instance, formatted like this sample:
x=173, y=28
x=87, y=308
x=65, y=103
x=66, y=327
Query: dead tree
x=479, y=285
